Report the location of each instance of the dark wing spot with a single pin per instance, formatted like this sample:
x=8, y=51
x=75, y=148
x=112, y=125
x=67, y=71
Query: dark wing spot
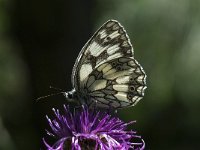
x=131, y=88
x=129, y=96
x=108, y=38
x=113, y=64
x=119, y=68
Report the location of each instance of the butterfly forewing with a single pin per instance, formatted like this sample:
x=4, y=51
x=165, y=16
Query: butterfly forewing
x=106, y=72
x=109, y=42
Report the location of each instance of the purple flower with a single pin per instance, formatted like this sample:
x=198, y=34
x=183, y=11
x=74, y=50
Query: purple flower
x=90, y=130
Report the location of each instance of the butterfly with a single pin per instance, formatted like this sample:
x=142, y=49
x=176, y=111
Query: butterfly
x=105, y=72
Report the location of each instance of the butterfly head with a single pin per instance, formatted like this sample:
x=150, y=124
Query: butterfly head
x=70, y=95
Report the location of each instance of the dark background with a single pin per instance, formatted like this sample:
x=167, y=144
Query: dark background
x=40, y=40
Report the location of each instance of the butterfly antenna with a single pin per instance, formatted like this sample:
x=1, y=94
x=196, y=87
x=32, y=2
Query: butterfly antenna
x=43, y=97
x=55, y=88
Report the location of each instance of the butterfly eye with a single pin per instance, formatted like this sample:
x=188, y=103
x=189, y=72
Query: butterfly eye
x=69, y=95
x=131, y=79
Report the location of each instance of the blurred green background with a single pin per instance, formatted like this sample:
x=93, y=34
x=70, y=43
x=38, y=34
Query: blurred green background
x=40, y=40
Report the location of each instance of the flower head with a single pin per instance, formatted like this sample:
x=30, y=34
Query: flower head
x=87, y=130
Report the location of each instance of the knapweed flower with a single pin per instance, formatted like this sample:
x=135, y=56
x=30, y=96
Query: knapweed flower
x=86, y=129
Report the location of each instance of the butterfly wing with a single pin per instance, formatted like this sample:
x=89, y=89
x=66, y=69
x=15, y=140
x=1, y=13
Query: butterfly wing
x=106, y=72
x=117, y=83
x=110, y=41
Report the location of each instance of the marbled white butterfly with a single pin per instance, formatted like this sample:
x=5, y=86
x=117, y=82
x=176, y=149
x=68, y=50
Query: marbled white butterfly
x=105, y=72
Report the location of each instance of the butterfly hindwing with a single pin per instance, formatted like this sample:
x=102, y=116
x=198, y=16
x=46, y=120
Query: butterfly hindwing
x=117, y=83
x=109, y=42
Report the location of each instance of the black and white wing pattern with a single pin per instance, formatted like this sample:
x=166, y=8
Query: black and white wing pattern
x=106, y=72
